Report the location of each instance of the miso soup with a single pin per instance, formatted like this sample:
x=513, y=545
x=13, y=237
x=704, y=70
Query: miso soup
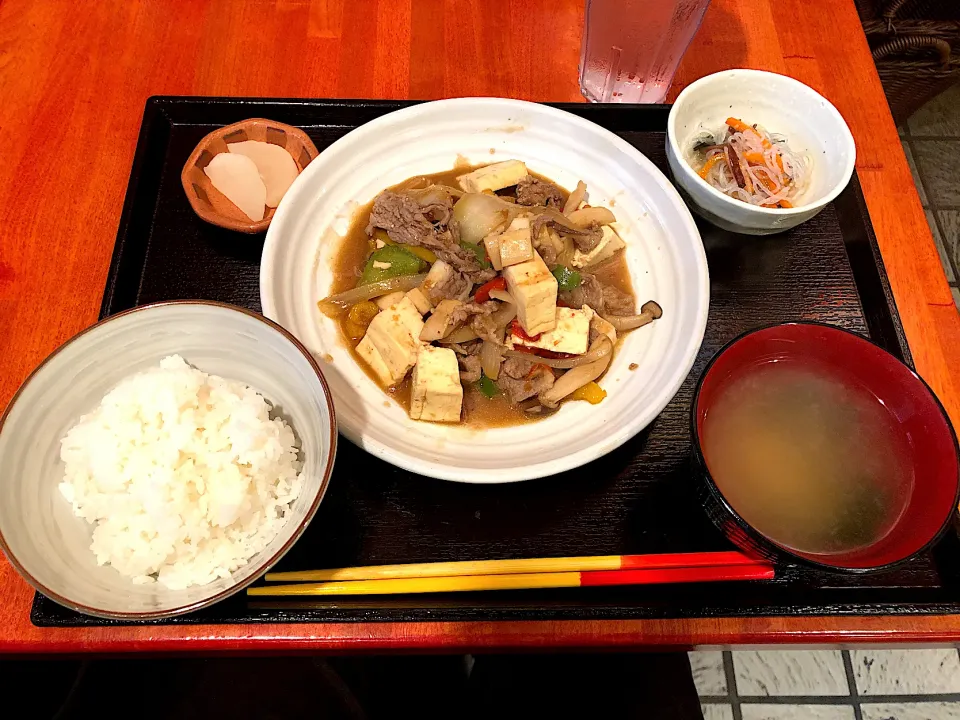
x=815, y=464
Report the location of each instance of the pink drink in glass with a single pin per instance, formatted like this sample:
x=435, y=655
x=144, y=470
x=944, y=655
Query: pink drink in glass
x=631, y=48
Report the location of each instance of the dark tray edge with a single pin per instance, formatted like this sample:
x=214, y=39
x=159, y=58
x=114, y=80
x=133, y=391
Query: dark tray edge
x=860, y=240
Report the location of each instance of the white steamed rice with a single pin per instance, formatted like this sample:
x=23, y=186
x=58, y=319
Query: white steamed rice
x=185, y=475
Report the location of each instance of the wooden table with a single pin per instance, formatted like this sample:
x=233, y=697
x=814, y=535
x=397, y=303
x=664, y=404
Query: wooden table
x=73, y=81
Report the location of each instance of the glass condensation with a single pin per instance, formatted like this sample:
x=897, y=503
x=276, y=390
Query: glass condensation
x=631, y=48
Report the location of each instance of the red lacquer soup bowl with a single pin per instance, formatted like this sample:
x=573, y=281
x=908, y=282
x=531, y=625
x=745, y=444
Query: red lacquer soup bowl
x=928, y=447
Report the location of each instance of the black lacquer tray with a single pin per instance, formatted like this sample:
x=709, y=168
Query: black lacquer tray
x=639, y=499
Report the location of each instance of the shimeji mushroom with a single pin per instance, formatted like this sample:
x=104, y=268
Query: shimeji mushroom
x=580, y=375
x=649, y=312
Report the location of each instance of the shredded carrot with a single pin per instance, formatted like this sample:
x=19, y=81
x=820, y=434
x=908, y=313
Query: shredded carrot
x=708, y=165
x=767, y=182
x=786, y=204
x=741, y=126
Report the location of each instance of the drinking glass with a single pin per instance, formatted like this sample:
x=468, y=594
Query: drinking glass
x=631, y=48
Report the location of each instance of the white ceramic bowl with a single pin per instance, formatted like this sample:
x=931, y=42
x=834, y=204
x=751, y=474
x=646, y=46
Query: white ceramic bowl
x=665, y=256
x=39, y=533
x=782, y=105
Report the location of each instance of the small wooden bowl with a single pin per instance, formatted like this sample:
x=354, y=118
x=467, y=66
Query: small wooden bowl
x=208, y=202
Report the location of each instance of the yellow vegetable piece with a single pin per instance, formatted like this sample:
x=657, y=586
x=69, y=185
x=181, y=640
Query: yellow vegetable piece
x=359, y=317
x=591, y=392
x=420, y=252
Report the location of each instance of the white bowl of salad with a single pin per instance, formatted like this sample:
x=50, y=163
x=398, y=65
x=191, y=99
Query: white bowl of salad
x=757, y=153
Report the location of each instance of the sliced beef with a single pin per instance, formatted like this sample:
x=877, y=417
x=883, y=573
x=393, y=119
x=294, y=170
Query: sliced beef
x=537, y=379
x=589, y=292
x=517, y=368
x=617, y=302
x=548, y=253
x=586, y=239
x=452, y=286
x=549, y=246
x=468, y=310
x=481, y=276
x=532, y=191
x=401, y=216
x=406, y=223
x=448, y=248
x=589, y=239
x=437, y=213
x=604, y=299
x=467, y=348
x=435, y=203
x=470, y=369
x=486, y=328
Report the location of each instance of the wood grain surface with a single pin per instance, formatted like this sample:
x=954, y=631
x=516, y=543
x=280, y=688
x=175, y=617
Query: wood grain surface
x=73, y=81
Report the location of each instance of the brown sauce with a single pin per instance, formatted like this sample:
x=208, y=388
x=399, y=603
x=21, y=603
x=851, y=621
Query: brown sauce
x=478, y=410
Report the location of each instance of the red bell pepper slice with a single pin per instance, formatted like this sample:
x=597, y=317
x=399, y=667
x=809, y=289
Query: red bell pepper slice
x=517, y=329
x=483, y=292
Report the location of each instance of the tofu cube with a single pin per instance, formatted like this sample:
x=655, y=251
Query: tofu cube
x=420, y=301
x=493, y=177
x=437, y=394
x=609, y=244
x=534, y=288
x=374, y=360
x=516, y=246
x=492, y=243
x=391, y=342
x=571, y=335
x=385, y=301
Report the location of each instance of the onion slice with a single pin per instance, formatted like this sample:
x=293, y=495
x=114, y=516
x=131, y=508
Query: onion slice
x=503, y=296
x=598, y=351
x=491, y=355
x=599, y=215
x=503, y=316
x=575, y=198
x=580, y=376
x=335, y=304
x=461, y=335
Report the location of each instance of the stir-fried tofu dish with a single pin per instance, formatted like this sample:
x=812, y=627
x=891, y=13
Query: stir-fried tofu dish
x=485, y=295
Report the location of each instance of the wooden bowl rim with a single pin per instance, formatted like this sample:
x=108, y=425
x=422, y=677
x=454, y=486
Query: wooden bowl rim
x=215, y=218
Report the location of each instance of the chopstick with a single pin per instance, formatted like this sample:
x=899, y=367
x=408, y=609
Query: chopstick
x=521, y=581
x=526, y=565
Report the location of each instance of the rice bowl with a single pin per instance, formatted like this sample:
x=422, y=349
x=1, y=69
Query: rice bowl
x=39, y=533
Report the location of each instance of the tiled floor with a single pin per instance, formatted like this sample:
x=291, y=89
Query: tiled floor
x=828, y=684
x=931, y=141
x=860, y=684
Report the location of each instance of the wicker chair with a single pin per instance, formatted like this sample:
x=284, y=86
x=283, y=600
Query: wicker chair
x=916, y=47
